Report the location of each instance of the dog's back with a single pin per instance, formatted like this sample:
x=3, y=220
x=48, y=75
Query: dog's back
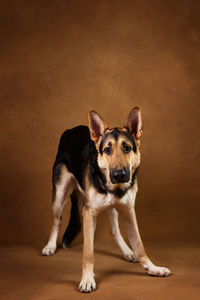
x=73, y=152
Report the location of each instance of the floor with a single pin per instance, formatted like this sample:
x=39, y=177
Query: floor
x=25, y=274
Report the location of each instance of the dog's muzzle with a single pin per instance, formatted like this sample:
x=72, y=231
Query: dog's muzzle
x=119, y=176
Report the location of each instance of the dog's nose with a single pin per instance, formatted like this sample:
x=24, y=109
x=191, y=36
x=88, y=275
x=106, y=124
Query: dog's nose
x=118, y=175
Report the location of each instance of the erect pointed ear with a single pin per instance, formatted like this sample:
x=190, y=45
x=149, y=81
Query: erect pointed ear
x=96, y=125
x=134, y=122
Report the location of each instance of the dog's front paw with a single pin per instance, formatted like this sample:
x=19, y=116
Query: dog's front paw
x=158, y=271
x=129, y=257
x=87, y=285
x=49, y=250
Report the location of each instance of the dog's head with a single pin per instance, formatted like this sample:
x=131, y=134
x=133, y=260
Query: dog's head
x=118, y=149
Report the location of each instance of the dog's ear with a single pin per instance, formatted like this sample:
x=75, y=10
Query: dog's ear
x=96, y=125
x=134, y=122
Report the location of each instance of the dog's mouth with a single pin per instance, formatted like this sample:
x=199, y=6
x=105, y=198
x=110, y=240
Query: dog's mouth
x=119, y=188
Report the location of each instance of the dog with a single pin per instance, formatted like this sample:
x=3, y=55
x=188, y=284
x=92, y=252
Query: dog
x=97, y=167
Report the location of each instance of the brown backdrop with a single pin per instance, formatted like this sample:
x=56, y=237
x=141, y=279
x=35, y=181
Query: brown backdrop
x=61, y=58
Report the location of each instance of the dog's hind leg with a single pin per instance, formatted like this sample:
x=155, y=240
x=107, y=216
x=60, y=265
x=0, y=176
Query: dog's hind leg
x=63, y=186
x=113, y=218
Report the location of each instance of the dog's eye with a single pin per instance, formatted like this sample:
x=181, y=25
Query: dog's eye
x=107, y=150
x=127, y=148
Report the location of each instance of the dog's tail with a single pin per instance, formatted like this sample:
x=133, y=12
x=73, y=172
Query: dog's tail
x=74, y=226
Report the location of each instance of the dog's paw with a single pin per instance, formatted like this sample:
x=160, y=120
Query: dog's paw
x=49, y=250
x=87, y=285
x=158, y=271
x=130, y=257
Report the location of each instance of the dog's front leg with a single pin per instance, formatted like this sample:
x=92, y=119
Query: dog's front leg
x=130, y=223
x=87, y=283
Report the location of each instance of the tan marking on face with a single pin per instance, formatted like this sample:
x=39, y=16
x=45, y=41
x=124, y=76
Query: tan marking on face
x=119, y=128
x=118, y=159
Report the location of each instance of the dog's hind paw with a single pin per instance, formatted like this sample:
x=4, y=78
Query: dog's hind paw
x=87, y=286
x=48, y=250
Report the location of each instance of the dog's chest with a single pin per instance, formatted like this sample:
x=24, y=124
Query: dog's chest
x=100, y=202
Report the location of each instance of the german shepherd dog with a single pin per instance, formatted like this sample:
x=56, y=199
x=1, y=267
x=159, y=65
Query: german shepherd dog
x=97, y=166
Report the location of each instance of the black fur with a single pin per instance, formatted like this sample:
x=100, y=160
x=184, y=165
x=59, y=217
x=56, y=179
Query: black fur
x=55, y=175
x=74, y=151
x=96, y=177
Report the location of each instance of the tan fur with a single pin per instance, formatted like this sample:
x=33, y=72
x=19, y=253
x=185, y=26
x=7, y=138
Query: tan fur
x=115, y=231
x=89, y=224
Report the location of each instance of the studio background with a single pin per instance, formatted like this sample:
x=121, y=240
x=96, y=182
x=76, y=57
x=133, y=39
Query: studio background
x=58, y=59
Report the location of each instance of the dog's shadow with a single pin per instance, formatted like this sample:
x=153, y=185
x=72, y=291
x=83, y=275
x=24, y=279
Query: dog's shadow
x=114, y=272
x=103, y=252
x=101, y=275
